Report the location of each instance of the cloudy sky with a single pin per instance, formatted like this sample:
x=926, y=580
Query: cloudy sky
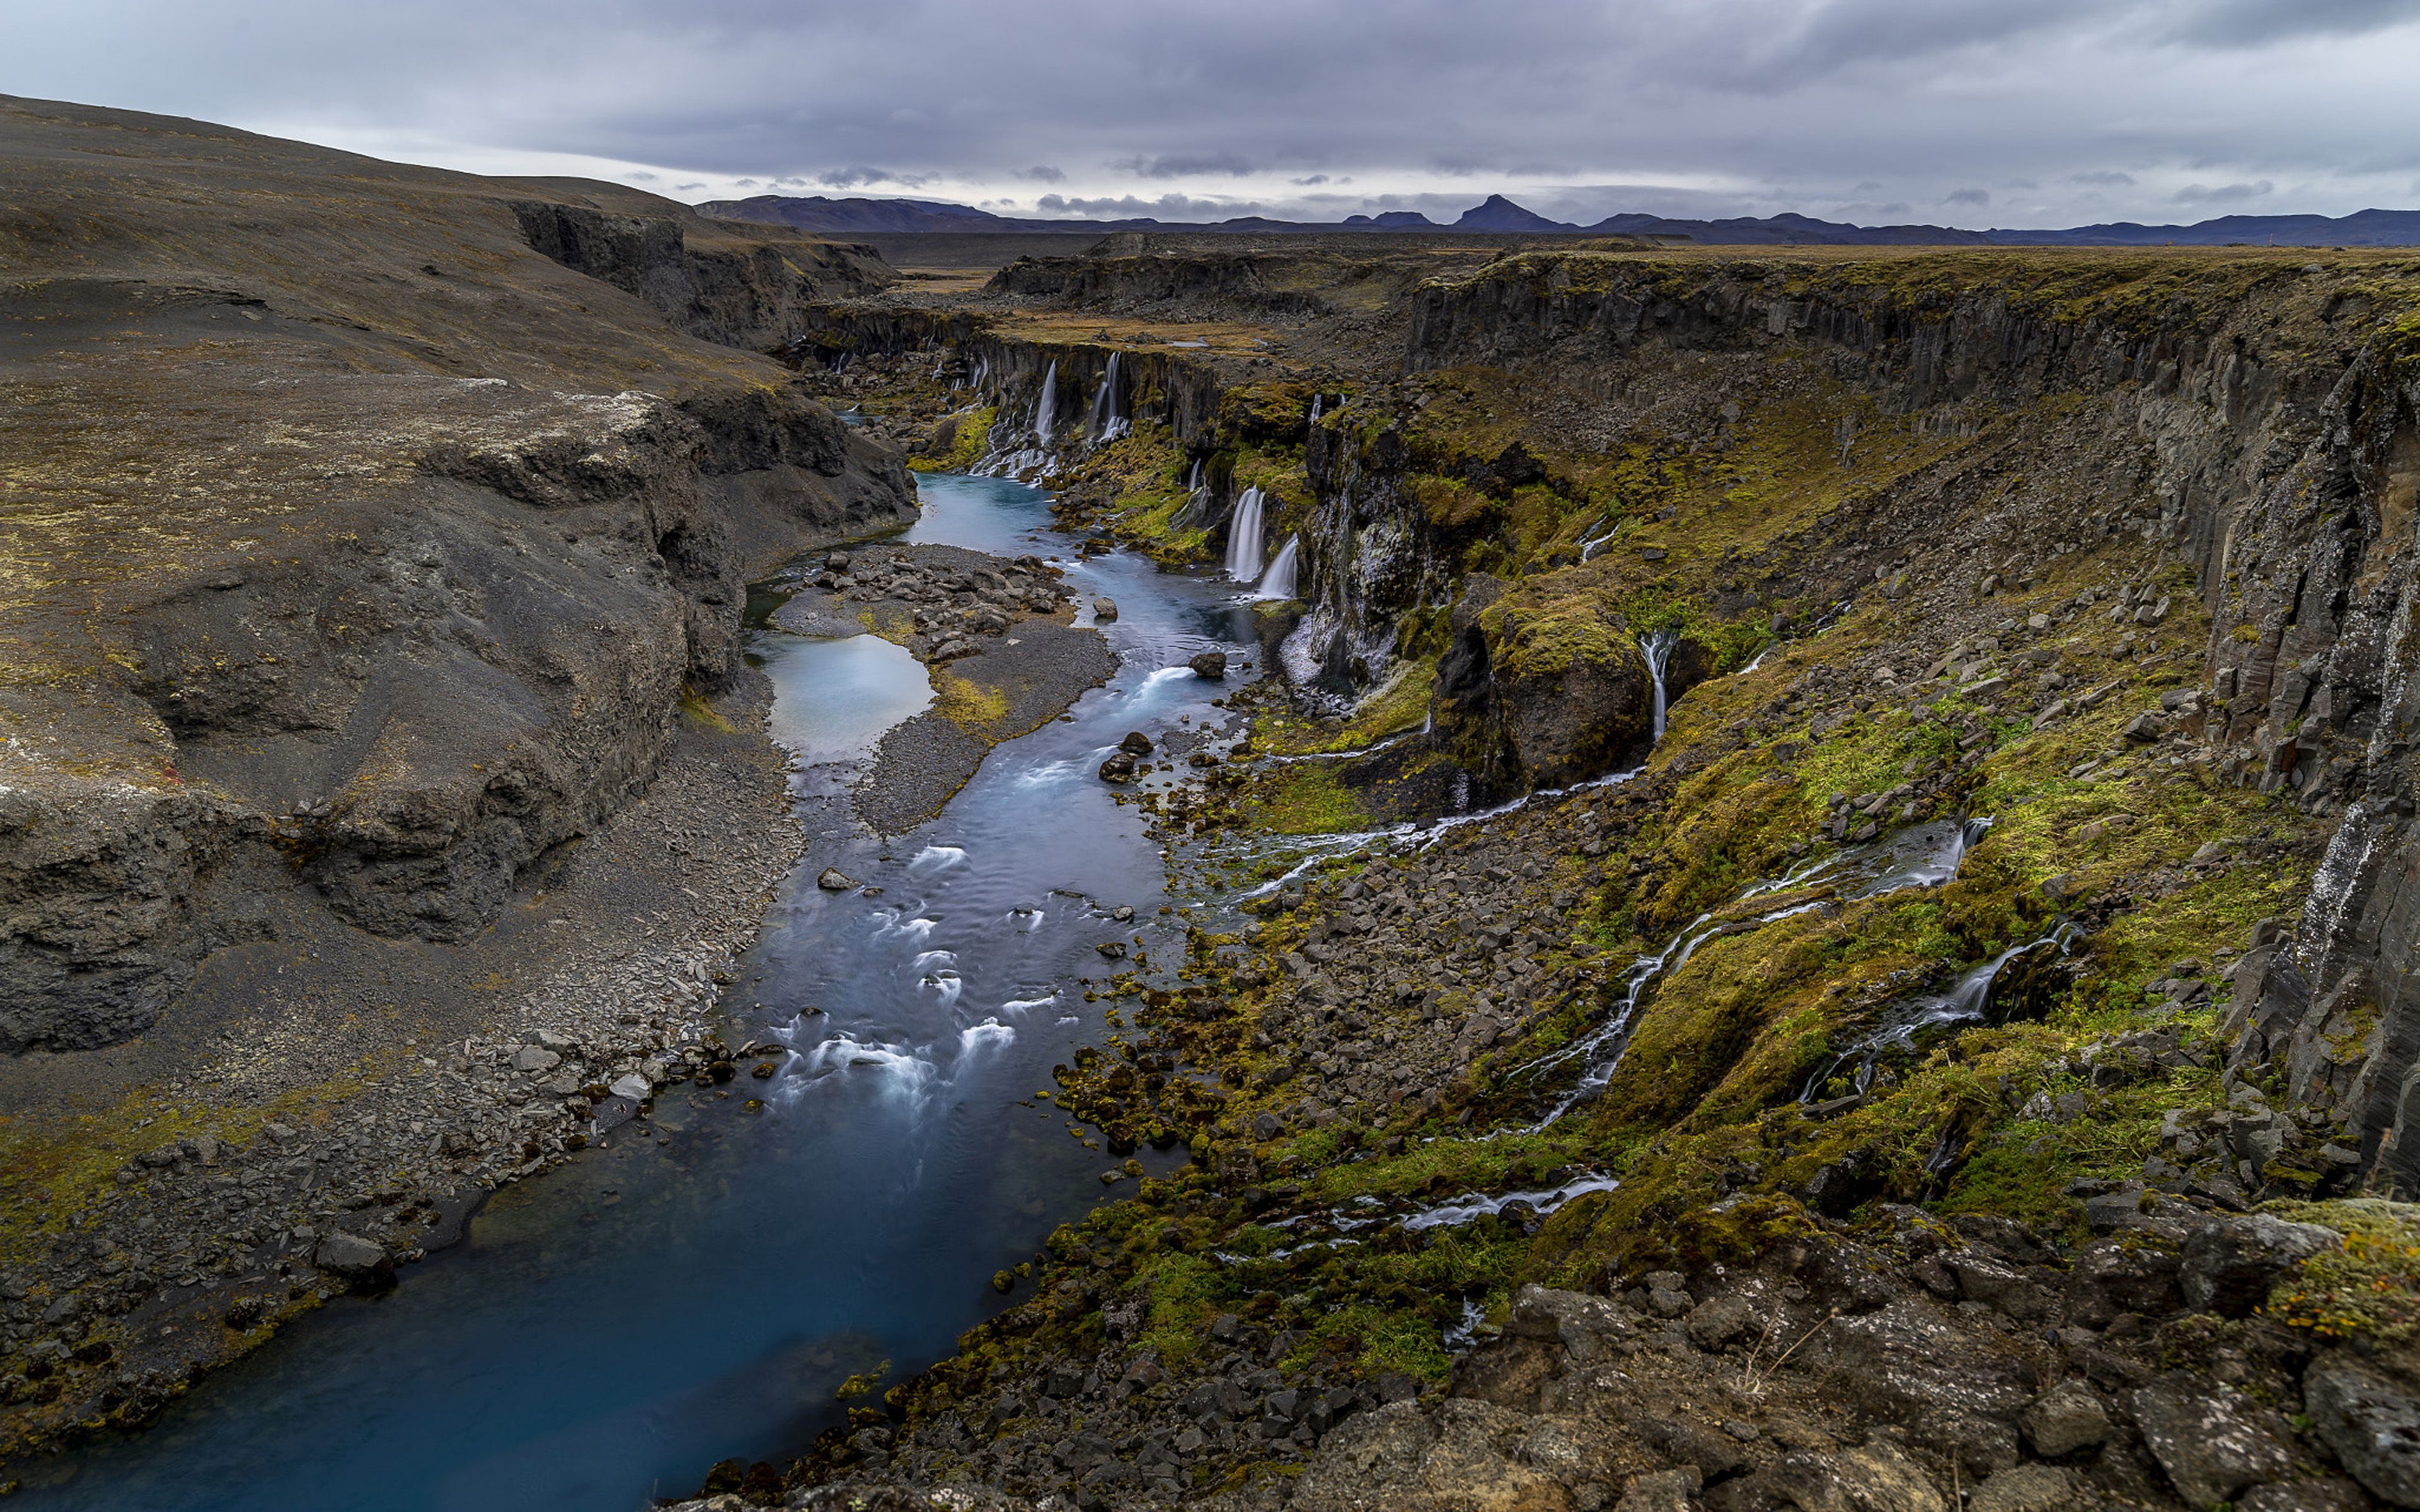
x=1970, y=113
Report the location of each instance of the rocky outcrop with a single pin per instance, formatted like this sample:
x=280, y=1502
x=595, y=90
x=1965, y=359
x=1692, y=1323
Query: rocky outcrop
x=709, y=280
x=427, y=536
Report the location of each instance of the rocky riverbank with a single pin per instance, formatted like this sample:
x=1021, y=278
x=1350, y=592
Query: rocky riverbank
x=380, y=787
x=321, y=1129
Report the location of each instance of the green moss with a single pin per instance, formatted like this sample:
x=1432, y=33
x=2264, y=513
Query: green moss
x=1303, y=798
x=969, y=439
x=1395, y=705
x=2368, y=1289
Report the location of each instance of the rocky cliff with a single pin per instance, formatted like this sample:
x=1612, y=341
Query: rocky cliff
x=1958, y=1053
x=358, y=542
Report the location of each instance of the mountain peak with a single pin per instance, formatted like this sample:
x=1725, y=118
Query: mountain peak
x=1496, y=213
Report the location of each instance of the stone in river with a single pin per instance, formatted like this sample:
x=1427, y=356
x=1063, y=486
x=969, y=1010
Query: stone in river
x=1119, y=767
x=1135, y=742
x=634, y=1086
x=832, y=880
x=1105, y=610
x=1212, y=664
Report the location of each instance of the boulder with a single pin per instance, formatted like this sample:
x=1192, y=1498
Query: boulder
x=2370, y=1421
x=361, y=1261
x=1662, y=1490
x=2024, y=1489
x=1105, y=610
x=831, y=879
x=1210, y=664
x=2211, y=1443
x=1875, y=1479
x=2111, y=1276
x=1136, y=744
x=2333, y=1494
x=1721, y=1320
x=2066, y=1418
x=2228, y=1266
x=1119, y=767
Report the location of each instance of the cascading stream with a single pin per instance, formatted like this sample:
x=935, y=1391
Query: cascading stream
x=1966, y=1002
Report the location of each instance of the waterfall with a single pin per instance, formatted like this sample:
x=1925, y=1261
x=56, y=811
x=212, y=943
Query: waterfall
x=1314, y=408
x=1107, y=424
x=1041, y=411
x=1657, y=649
x=1244, y=537
x=1193, y=483
x=1964, y=1003
x=1587, y=548
x=1279, y=581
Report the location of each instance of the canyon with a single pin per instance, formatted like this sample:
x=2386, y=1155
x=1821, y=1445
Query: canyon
x=1791, y=887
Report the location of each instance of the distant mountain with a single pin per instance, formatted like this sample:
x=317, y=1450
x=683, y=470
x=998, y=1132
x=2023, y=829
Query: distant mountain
x=861, y=216
x=1497, y=214
x=2363, y=228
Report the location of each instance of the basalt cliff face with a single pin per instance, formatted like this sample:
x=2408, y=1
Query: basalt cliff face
x=359, y=542
x=1851, y=945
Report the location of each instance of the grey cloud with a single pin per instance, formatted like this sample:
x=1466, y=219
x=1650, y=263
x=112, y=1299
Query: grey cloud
x=1187, y=166
x=856, y=177
x=2256, y=23
x=1967, y=196
x=1713, y=107
x=1166, y=208
x=2223, y=194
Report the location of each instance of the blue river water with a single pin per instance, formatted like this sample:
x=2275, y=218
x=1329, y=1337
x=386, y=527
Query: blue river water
x=608, y=1332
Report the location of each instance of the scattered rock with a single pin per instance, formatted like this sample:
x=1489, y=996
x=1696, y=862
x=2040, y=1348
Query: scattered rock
x=1105, y=610
x=2068, y=1417
x=831, y=879
x=2369, y=1421
x=357, y=1259
x=2228, y=1266
x=1210, y=664
x=2024, y=1489
x=1721, y=1320
x=2211, y=1443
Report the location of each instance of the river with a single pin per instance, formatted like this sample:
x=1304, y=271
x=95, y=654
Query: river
x=608, y=1332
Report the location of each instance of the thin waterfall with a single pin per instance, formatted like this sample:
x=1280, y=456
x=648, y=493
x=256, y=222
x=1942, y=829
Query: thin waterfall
x=1244, y=537
x=1314, y=408
x=1041, y=411
x=1657, y=649
x=1193, y=483
x=1107, y=424
x=1964, y=1003
x=1279, y=581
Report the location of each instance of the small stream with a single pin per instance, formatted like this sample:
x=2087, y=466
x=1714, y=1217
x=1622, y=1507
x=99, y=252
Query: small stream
x=606, y=1333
